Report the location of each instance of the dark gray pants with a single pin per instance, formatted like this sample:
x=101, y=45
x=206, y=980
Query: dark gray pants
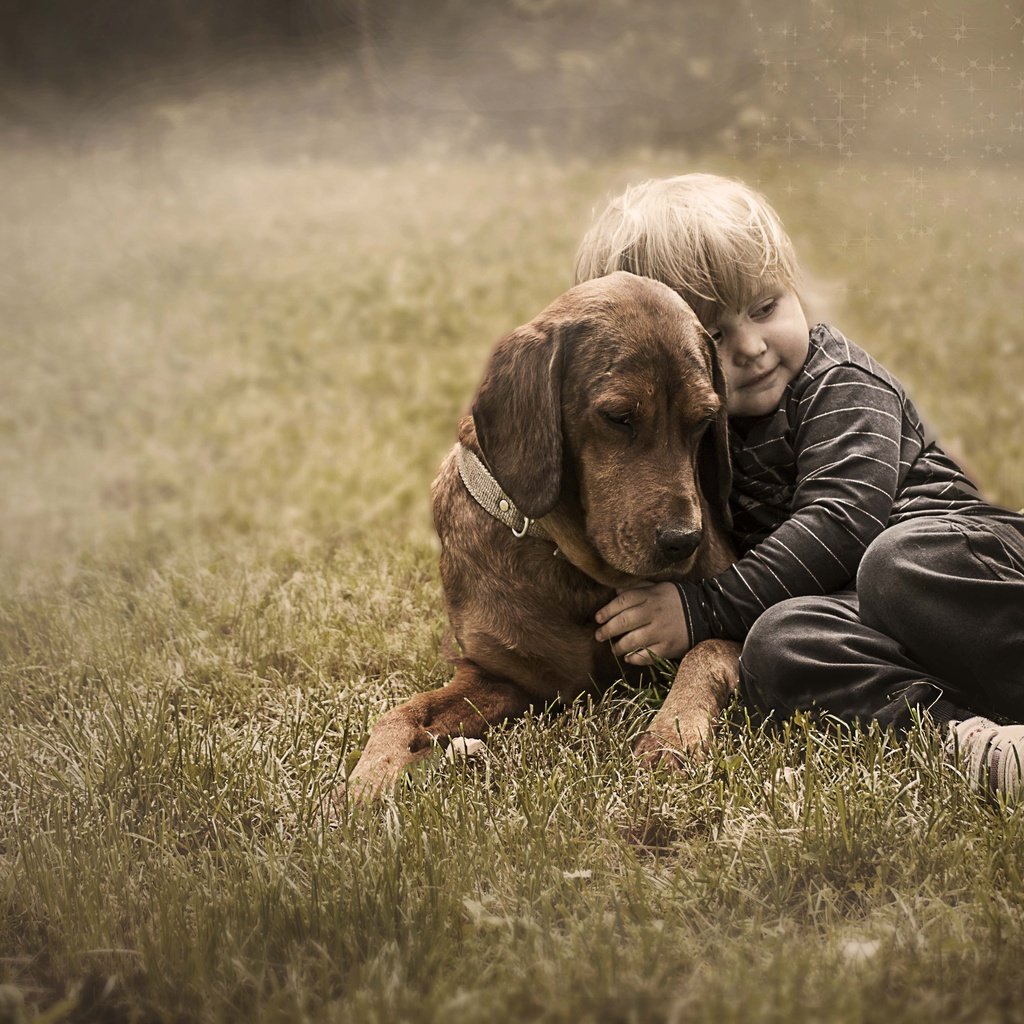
x=936, y=621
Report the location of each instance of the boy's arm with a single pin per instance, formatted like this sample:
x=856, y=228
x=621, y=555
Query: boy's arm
x=849, y=446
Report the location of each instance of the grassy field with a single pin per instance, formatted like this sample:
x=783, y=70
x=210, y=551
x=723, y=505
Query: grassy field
x=226, y=383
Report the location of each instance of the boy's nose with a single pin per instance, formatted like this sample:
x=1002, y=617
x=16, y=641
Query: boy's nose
x=749, y=347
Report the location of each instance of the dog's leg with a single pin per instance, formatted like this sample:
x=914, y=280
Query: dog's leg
x=707, y=677
x=467, y=706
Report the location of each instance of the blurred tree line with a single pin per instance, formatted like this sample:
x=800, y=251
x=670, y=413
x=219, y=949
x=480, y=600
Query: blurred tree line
x=94, y=45
x=552, y=65
x=562, y=72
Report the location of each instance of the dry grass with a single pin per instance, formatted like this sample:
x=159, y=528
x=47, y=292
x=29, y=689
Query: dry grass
x=226, y=385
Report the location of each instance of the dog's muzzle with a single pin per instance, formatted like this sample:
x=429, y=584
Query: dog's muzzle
x=677, y=545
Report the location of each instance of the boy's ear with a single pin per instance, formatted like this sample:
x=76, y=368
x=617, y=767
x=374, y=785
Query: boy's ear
x=713, y=460
x=517, y=411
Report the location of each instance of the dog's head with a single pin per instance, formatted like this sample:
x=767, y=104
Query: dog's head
x=612, y=398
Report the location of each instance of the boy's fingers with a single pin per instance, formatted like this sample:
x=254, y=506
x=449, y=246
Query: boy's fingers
x=642, y=657
x=628, y=652
x=639, y=585
x=622, y=625
x=625, y=600
x=633, y=642
x=644, y=654
x=616, y=606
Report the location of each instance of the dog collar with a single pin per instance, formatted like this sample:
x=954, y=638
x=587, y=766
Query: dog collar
x=492, y=499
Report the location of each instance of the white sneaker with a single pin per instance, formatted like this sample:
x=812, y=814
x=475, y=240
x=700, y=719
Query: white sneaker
x=991, y=756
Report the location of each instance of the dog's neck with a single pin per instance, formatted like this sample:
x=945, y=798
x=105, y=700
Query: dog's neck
x=488, y=494
x=563, y=527
x=560, y=527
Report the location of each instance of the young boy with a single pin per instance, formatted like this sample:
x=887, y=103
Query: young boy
x=873, y=578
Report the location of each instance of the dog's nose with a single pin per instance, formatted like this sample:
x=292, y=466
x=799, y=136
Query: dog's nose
x=676, y=545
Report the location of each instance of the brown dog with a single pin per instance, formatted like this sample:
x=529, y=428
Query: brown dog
x=603, y=425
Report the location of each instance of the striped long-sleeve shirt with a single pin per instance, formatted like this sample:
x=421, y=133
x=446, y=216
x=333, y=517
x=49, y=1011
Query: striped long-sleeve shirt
x=844, y=456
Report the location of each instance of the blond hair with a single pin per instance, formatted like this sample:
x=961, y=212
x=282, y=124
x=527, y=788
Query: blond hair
x=714, y=240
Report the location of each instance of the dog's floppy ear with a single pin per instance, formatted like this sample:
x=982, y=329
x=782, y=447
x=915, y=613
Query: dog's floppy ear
x=714, y=463
x=518, y=415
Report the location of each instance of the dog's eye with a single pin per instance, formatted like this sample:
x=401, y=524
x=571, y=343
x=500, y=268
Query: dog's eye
x=620, y=421
x=701, y=427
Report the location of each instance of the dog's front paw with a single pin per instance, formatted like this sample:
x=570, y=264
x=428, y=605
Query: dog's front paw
x=655, y=749
x=654, y=752
x=368, y=783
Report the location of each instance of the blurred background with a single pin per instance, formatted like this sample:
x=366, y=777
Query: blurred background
x=935, y=80
x=256, y=252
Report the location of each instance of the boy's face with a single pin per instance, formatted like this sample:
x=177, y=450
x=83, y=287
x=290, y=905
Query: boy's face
x=761, y=349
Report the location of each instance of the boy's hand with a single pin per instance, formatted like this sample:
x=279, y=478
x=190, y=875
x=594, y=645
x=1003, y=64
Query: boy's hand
x=646, y=620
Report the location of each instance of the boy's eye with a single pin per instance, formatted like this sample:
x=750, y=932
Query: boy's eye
x=715, y=335
x=766, y=308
